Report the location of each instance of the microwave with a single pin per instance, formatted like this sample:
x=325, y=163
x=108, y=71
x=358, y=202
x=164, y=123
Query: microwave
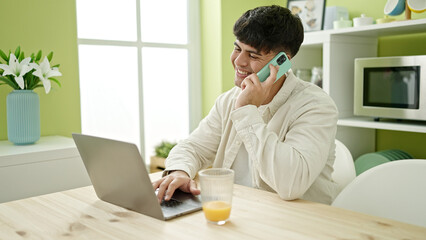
x=390, y=87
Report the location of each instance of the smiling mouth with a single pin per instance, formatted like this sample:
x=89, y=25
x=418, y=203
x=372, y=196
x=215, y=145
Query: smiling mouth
x=242, y=72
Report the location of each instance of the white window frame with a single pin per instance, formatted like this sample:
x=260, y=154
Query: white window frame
x=194, y=65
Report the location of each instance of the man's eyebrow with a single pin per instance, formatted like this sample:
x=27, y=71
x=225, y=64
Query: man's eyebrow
x=250, y=51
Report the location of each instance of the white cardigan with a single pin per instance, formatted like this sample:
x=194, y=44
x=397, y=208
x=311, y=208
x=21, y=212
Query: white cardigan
x=290, y=147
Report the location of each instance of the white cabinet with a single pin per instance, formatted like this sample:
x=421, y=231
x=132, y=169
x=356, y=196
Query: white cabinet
x=52, y=164
x=335, y=51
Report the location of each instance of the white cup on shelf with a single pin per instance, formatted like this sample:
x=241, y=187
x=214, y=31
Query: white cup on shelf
x=362, y=21
x=342, y=23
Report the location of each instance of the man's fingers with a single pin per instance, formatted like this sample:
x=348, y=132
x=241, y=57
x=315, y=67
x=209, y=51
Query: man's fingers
x=193, y=188
x=273, y=73
x=243, y=85
x=163, y=188
x=248, y=81
x=171, y=189
x=157, y=183
x=166, y=186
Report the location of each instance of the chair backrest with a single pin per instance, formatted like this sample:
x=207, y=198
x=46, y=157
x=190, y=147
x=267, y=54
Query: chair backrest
x=394, y=190
x=344, y=168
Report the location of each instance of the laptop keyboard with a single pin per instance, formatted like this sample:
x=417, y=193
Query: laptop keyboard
x=171, y=203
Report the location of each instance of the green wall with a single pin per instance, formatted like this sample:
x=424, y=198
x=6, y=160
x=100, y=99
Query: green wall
x=218, y=17
x=211, y=45
x=49, y=25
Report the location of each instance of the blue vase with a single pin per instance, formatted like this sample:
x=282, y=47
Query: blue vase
x=23, y=117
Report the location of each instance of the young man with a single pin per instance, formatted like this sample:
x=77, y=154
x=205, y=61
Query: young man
x=277, y=136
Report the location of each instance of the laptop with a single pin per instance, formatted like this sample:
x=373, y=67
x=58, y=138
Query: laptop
x=119, y=176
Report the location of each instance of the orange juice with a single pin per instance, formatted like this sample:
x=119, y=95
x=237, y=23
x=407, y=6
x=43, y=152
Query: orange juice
x=216, y=211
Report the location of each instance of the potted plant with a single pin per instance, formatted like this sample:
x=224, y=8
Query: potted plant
x=23, y=75
x=162, y=151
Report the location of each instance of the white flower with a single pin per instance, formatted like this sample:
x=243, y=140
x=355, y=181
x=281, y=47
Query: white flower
x=44, y=72
x=17, y=69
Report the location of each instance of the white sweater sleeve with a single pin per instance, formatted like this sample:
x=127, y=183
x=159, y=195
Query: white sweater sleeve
x=199, y=149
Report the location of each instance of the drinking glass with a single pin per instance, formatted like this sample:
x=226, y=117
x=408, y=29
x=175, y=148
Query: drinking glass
x=216, y=194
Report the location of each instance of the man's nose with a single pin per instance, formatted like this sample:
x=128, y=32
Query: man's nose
x=241, y=60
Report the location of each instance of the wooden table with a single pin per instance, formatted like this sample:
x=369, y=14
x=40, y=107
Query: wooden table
x=256, y=214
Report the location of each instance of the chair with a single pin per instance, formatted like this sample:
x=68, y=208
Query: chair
x=392, y=190
x=344, y=168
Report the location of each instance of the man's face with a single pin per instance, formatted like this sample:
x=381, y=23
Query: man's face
x=247, y=60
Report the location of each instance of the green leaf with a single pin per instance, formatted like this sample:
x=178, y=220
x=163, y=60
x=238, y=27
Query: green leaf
x=57, y=66
x=28, y=79
x=56, y=81
x=21, y=56
x=17, y=51
x=37, y=86
x=32, y=80
x=32, y=56
x=9, y=82
x=38, y=56
x=163, y=149
x=3, y=55
x=49, y=57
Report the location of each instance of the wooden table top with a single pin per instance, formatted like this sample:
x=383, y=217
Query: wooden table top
x=256, y=214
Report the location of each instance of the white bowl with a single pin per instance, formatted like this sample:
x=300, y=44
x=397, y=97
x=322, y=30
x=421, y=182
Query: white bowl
x=342, y=23
x=417, y=6
x=394, y=7
x=362, y=21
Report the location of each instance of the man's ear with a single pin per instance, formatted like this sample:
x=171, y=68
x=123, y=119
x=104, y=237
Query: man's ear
x=287, y=53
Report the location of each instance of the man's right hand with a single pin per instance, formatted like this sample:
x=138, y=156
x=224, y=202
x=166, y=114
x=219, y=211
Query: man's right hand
x=176, y=179
x=255, y=92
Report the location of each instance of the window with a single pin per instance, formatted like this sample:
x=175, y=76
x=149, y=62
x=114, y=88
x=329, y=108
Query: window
x=139, y=70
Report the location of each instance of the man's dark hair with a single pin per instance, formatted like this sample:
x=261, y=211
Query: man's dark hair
x=270, y=28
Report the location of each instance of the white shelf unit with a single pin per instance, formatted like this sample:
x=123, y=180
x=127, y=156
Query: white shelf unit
x=51, y=164
x=365, y=122
x=335, y=51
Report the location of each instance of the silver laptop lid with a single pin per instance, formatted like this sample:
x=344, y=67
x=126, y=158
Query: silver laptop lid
x=118, y=174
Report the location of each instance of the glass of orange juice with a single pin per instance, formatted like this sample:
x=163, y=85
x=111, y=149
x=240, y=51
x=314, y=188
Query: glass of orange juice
x=216, y=193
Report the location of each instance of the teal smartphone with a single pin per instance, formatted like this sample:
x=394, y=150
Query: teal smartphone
x=280, y=59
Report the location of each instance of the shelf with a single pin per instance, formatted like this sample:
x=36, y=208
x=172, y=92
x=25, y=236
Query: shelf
x=375, y=30
x=395, y=125
x=385, y=29
x=315, y=39
x=335, y=51
x=338, y=48
x=52, y=164
x=45, y=149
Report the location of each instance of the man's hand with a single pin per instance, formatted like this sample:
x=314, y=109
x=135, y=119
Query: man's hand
x=255, y=92
x=176, y=179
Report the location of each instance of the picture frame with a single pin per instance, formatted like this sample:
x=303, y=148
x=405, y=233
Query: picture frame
x=311, y=12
